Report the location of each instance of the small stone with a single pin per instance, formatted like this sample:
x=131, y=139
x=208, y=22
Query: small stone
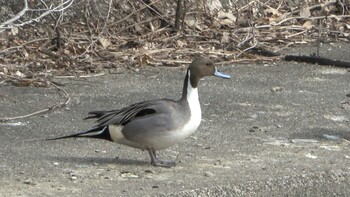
x=193, y=137
x=309, y=155
x=276, y=89
x=29, y=182
x=150, y=171
x=218, y=162
x=100, y=151
x=208, y=174
x=56, y=163
x=199, y=145
x=155, y=186
x=303, y=141
x=254, y=129
x=73, y=178
x=129, y=175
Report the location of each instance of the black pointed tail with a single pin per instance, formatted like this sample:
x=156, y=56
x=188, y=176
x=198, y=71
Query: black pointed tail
x=98, y=132
x=95, y=114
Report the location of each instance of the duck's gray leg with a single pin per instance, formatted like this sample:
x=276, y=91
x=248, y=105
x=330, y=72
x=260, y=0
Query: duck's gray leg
x=157, y=162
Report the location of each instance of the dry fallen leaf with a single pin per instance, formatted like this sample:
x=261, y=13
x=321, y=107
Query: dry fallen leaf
x=225, y=37
x=304, y=10
x=5, y=70
x=308, y=24
x=14, y=31
x=20, y=74
x=274, y=15
x=192, y=23
x=272, y=12
x=180, y=44
x=226, y=18
x=105, y=42
x=347, y=26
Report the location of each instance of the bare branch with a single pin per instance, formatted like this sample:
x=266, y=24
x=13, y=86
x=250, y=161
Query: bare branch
x=10, y=23
x=19, y=15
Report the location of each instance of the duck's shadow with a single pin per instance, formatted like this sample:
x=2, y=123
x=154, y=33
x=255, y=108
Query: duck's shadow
x=98, y=160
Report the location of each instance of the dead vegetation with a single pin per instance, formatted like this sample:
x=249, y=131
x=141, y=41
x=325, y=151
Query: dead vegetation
x=44, y=39
x=75, y=38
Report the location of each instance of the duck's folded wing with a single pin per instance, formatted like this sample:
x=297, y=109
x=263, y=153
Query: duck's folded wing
x=127, y=114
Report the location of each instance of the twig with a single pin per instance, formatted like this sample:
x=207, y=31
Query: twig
x=241, y=61
x=156, y=12
x=314, y=7
x=247, y=49
x=9, y=23
x=19, y=15
x=296, y=34
x=311, y=18
x=22, y=45
x=66, y=95
x=288, y=19
x=5, y=96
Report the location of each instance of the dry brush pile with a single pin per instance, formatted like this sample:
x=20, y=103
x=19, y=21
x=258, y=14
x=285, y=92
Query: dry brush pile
x=42, y=39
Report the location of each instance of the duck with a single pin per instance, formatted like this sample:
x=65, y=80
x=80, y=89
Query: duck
x=155, y=124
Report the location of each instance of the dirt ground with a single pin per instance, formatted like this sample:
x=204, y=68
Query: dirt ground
x=278, y=128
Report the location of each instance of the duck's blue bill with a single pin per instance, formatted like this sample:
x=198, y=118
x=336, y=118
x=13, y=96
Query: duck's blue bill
x=219, y=74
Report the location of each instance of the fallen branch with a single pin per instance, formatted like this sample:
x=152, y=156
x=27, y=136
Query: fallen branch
x=10, y=23
x=66, y=95
x=317, y=60
x=7, y=97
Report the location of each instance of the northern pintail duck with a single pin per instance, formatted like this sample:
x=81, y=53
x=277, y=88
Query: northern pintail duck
x=157, y=124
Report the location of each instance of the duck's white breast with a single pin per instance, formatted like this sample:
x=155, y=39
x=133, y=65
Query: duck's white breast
x=187, y=129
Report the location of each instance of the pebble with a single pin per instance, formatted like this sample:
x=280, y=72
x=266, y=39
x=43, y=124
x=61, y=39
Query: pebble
x=331, y=137
x=254, y=129
x=218, y=162
x=208, y=174
x=100, y=151
x=150, y=171
x=298, y=141
x=29, y=182
x=309, y=155
x=73, y=178
x=276, y=89
x=331, y=148
x=129, y=175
